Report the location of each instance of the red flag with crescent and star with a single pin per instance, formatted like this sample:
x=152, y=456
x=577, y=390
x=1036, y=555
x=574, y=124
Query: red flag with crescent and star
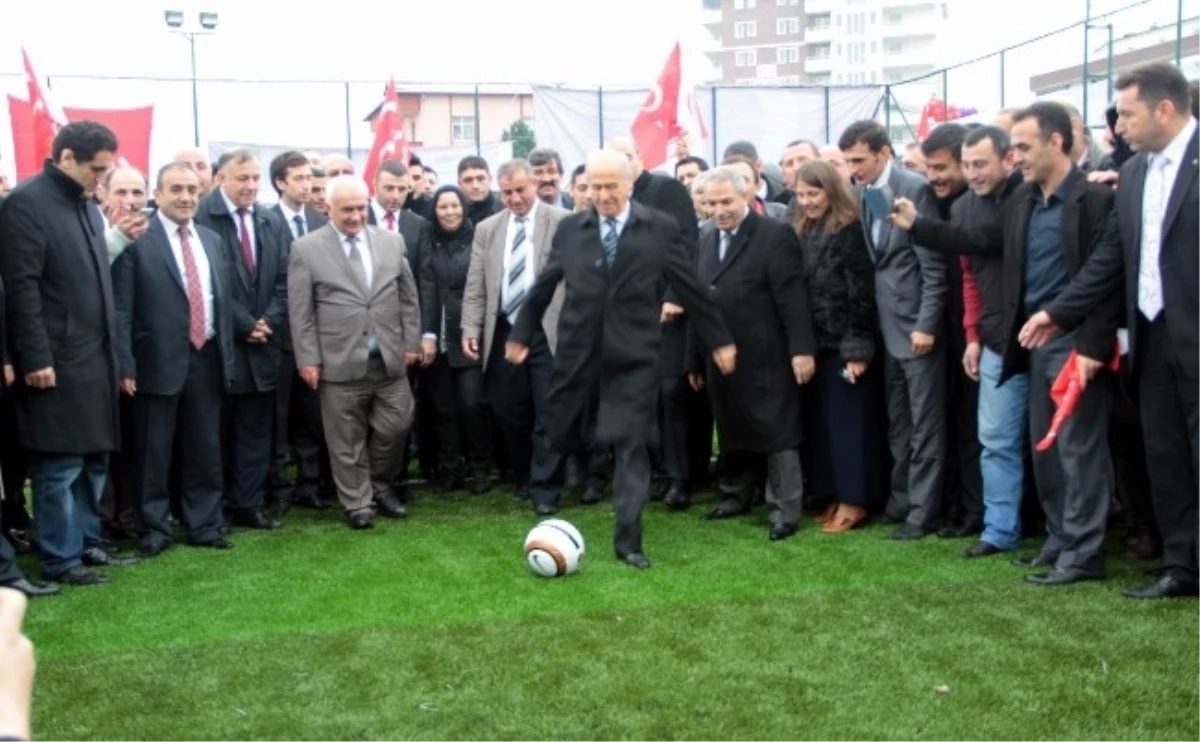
x=390, y=140
x=36, y=121
x=657, y=123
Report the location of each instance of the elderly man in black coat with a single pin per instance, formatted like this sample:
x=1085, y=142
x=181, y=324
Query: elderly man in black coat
x=754, y=271
x=54, y=264
x=616, y=262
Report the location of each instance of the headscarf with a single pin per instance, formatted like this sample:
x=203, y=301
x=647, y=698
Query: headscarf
x=464, y=230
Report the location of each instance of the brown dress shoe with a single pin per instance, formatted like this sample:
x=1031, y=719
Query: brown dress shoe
x=847, y=518
x=827, y=514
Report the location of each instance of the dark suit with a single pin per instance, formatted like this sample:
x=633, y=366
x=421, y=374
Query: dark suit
x=260, y=293
x=417, y=232
x=761, y=290
x=1163, y=352
x=910, y=291
x=179, y=388
x=297, y=435
x=9, y=571
x=671, y=197
x=606, y=362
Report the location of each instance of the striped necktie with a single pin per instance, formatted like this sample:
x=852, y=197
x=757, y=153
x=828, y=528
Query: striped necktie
x=515, y=289
x=610, y=240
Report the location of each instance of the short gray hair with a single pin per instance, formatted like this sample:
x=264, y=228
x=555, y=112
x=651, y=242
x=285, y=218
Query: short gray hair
x=512, y=167
x=611, y=157
x=726, y=174
x=700, y=182
x=348, y=183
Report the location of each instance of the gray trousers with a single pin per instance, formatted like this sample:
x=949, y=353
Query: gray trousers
x=916, y=405
x=784, y=483
x=1075, y=477
x=631, y=489
x=366, y=427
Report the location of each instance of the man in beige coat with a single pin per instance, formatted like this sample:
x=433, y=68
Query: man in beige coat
x=352, y=305
x=509, y=252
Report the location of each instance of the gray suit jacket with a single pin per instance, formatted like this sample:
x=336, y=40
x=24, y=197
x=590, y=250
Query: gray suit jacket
x=481, y=299
x=910, y=280
x=331, y=314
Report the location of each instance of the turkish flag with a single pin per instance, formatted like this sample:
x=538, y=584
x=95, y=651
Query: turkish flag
x=132, y=126
x=657, y=123
x=1066, y=392
x=35, y=123
x=390, y=140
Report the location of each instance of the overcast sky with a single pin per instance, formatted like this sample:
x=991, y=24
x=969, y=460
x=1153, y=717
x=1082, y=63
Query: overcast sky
x=611, y=42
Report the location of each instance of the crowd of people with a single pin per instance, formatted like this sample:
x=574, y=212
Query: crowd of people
x=876, y=335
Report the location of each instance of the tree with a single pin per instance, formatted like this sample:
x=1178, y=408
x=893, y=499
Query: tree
x=521, y=135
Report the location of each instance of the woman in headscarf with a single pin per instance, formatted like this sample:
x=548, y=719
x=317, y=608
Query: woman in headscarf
x=456, y=381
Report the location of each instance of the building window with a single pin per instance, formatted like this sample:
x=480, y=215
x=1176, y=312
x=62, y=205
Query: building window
x=893, y=48
x=745, y=4
x=781, y=3
x=786, y=26
x=818, y=22
x=745, y=30
x=462, y=128
x=818, y=51
x=745, y=57
x=788, y=54
x=895, y=19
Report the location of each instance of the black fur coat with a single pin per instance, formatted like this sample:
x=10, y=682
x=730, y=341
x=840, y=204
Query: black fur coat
x=841, y=285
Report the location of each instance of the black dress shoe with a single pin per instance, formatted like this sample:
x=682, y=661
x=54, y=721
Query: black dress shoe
x=592, y=495
x=727, y=509
x=388, y=506
x=1040, y=560
x=980, y=549
x=545, y=509
x=310, y=497
x=677, y=498
x=1167, y=587
x=908, y=532
x=960, y=530
x=780, y=531
x=79, y=575
x=659, y=492
x=97, y=557
x=31, y=589
x=254, y=518
x=1061, y=577
x=637, y=560
x=360, y=521
x=149, y=551
x=216, y=543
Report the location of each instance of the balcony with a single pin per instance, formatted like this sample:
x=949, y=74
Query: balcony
x=818, y=7
x=818, y=65
x=913, y=26
x=711, y=18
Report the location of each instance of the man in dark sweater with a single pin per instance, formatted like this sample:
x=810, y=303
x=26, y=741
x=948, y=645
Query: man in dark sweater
x=976, y=230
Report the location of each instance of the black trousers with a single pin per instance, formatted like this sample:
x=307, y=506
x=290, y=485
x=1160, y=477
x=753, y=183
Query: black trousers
x=963, y=484
x=1126, y=441
x=463, y=419
x=249, y=448
x=9, y=571
x=299, y=436
x=699, y=437
x=14, y=468
x=778, y=473
x=672, y=449
x=1168, y=400
x=631, y=489
x=842, y=455
x=519, y=397
x=120, y=509
x=194, y=417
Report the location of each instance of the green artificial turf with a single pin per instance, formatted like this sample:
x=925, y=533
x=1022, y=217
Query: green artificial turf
x=434, y=628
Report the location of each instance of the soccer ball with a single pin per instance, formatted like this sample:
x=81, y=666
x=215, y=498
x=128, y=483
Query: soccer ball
x=554, y=548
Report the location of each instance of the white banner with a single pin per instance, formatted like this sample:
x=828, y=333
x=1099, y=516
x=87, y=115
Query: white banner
x=444, y=160
x=569, y=120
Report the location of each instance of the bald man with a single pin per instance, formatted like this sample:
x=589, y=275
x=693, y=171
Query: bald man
x=613, y=261
x=335, y=165
x=198, y=160
x=123, y=194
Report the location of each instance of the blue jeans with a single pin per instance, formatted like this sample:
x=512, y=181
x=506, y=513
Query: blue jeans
x=1002, y=429
x=66, y=493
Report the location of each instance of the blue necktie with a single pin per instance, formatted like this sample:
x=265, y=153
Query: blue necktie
x=610, y=241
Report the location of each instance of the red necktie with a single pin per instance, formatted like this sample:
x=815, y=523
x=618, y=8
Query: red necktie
x=391, y=221
x=247, y=248
x=196, y=324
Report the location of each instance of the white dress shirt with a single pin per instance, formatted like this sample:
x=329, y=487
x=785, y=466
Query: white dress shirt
x=237, y=222
x=1162, y=170
x=510, y=258
x=290, y=216
x=622, y=219
x=381, y=217
x=202, y=266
